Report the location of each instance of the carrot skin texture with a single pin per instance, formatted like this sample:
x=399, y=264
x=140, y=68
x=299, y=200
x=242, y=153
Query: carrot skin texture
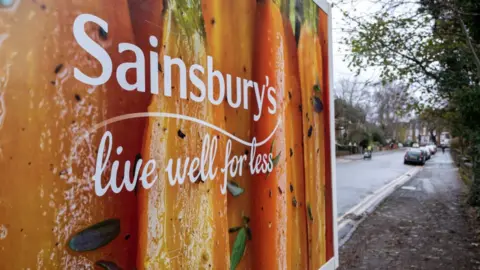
x=269, y=206
x=225, y=36
x=324, y=43
x=314, y=149
x=184, y=225
x=297, y=219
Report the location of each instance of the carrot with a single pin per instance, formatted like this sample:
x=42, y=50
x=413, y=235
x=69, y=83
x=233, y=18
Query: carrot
x=311, y=80
x=269, y=199
x=182, y=226
x=323, y=40
x=46, y=167
x=230, y=43
x=297, y=226
x=147, y=20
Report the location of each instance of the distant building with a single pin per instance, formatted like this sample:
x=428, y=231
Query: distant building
x=445, y=139
x=418, y=132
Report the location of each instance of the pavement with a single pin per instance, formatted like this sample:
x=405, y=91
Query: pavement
x=359, y=178
x=424, y=224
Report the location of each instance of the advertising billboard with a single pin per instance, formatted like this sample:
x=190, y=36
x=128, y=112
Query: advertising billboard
x=161, y=134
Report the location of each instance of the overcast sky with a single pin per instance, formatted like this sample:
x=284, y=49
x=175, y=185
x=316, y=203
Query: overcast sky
x=358, y=8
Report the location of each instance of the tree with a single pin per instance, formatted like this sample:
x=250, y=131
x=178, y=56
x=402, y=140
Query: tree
x=354, y=92
x=351, y=105
x=348, y=118
x=391, y=107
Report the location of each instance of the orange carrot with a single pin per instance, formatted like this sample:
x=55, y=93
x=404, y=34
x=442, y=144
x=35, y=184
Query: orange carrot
x=46, y=166
x=269, y=199
x=311, y=79
x=147, y=20
x=297, y=226
x=230, y=43
x=182, y=226
x=323, y=39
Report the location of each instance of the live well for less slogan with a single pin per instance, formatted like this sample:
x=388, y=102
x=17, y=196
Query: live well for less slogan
x=164, y=135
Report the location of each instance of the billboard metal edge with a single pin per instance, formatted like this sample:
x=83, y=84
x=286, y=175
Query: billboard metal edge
x=332, y=136
x=324, y=5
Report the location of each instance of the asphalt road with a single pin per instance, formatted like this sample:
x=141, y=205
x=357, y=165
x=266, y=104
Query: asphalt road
x=358, y=178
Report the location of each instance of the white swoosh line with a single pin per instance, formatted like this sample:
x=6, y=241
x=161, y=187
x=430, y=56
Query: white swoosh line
x=183, y=117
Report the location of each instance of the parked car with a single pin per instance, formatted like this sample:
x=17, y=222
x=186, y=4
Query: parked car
x=426, y=152
x=415, y=145
x=432, y=148
x=414, y=156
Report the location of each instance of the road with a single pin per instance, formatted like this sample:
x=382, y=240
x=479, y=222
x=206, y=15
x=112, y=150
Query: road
x=356, y=179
